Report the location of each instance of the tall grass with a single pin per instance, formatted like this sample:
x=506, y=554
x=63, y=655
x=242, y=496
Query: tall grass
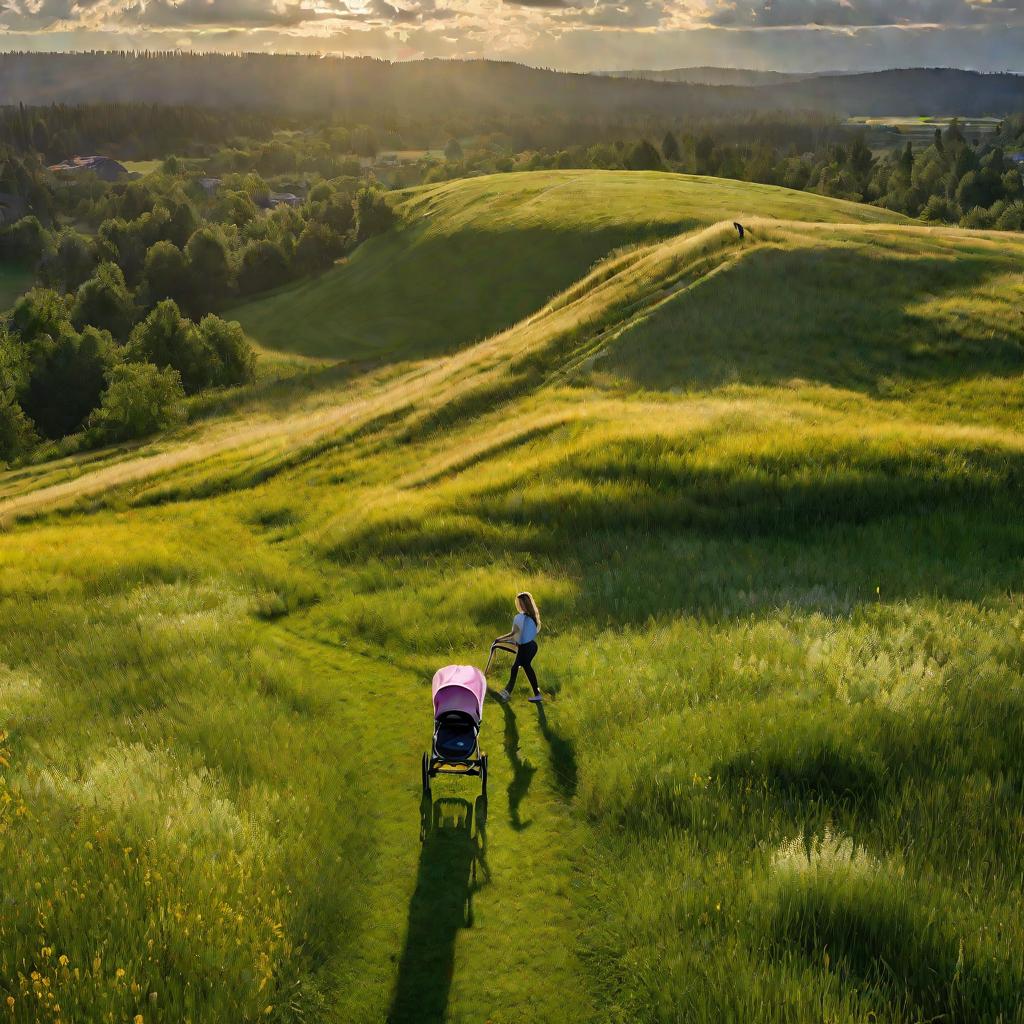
x=769, y=505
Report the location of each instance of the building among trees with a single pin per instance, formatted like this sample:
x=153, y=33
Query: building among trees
x=105, y=168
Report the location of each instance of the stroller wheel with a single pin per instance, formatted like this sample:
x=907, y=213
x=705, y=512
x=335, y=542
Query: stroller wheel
x=425, y=773
x=483, y=775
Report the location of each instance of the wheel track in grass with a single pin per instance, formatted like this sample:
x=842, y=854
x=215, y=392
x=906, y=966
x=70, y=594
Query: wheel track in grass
x=415, y=959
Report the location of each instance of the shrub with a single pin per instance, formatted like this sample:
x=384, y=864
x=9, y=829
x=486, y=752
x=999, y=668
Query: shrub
x=167, y=339
x=38, y=312
x=373, y=214
x=978, y=218
x=70, y=263
x=264, y=265
x=338, y=214
x=939, y=208
x=1012, y=218
x=165, y=274
x=140, y=399
x=25, y=240
x=318, y=246
x=209, y=264
x=67, y=375
x=235, y=355
x=104, y=301
x=644, y=157
x=16, y=433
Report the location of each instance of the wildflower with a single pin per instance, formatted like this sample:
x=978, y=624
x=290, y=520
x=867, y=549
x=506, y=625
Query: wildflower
x=139, y=1019
x=10, y=1002
x=119, y=973
x=63, y=961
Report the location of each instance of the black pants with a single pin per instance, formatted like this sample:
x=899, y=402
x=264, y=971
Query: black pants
x=524, y=660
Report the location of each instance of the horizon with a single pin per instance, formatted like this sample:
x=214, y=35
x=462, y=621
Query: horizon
x=804, y=36
x=636, y=69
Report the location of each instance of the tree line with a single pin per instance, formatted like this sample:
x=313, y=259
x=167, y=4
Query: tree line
x=123, y=324
x=953, y=180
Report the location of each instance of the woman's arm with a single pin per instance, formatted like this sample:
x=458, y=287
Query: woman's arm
x=512, y=636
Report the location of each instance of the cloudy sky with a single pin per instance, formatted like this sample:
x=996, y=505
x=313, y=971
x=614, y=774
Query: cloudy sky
x=790, y=35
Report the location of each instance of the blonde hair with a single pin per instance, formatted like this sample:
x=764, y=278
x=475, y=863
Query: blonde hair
x=528, y=606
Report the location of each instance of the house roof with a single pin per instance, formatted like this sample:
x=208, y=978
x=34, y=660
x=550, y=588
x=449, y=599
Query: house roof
x=89, y=163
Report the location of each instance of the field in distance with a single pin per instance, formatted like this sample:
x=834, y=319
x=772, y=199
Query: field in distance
x=767, y=494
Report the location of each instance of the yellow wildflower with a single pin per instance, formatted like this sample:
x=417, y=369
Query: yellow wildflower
x=139, y=1019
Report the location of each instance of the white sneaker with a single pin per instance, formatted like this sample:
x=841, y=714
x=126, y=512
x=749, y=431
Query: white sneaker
x=535, y=699
x=503, y=696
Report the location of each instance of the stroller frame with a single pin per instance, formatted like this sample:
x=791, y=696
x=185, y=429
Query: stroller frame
x=435, y=763
x=449, y=720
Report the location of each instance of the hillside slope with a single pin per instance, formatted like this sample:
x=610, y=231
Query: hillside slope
x=478, y=254
x=768, y=497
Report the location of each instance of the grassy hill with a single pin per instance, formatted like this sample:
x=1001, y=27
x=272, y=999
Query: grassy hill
x=767, y=495
x=476, y=255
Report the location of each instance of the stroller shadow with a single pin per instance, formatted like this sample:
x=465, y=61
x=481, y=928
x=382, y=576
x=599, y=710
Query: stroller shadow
x=522, y=772
x=452, y=869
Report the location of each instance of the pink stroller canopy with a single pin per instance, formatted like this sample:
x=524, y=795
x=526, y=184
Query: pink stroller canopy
x=459, y=688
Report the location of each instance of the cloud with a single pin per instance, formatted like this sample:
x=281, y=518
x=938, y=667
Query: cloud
x=865, y=13
x=233, y=13
x=549, y=4
x=418, y=12
x=572, y=34
x=628, y=14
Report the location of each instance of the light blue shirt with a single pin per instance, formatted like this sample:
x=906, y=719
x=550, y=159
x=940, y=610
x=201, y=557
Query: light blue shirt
x=527, y=628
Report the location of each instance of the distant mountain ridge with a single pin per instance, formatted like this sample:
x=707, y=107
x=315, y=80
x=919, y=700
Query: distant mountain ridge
x=707, y=75
x=363, y=88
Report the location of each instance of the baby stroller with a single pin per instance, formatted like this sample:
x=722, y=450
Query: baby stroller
x=458, y=693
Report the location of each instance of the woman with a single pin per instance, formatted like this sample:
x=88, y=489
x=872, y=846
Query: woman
x=525, y=627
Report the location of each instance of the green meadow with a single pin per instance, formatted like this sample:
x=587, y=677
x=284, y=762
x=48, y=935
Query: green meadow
x=475, y=256
x=767, y=494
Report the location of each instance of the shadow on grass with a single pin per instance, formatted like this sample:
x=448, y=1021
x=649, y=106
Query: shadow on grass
x=882, y=939
x=395, y=300
x=563, y=756
x=806, y=314
x=452, y=869
x=522, y=771
x=274, y=392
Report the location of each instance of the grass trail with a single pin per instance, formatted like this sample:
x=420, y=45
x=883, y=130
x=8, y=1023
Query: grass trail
x=462, y=927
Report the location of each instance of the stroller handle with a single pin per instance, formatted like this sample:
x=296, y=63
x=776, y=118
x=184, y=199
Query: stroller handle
x=499, y=645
